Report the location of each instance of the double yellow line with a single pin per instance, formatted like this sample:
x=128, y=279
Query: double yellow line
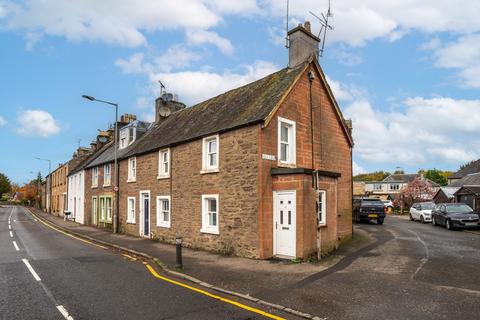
x=183, y=285
x=208, y=294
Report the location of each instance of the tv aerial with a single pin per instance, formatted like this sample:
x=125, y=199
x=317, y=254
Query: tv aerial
x=324, y=26
x=162, y=88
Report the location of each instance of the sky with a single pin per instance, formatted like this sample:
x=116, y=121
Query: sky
x=406, y=72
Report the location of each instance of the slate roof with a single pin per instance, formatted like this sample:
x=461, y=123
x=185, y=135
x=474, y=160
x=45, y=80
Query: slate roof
x=449, y=191
x=469, y=190
x=240, y=107
x=401, y=177
x=91, y=157
x=472, y=179
x=473, y=167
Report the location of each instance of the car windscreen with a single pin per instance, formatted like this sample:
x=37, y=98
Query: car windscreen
x=372, y=203
x=458, y=208
x=427, y=206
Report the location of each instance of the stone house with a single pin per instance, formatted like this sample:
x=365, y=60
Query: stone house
x=58, y=179
x=259, y=171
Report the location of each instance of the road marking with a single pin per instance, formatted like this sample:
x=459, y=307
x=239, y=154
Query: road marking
x=11, y=234
x=16, y=246
x=208, y=294
x=64, y=312
x=72, y=236
x=9, y=227
x=35, y=275
x=129, y=257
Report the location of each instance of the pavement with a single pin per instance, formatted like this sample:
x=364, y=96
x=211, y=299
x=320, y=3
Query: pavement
x=45, y=274
x=400, y=270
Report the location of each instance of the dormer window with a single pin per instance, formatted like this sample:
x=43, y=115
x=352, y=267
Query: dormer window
x=127, y=137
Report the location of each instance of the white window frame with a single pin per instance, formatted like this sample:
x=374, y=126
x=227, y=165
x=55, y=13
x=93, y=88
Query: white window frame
x=377, y=187
x=132, y=170
x=108, y=213
x=162, y=173
x=394, y=186
x=206, y=227
x=131, y=210
x=125, y=137
x=322, y=208
x=206, y=167
x=107, y=183
x=292, y=150
x=160, y=221
x=94, y=177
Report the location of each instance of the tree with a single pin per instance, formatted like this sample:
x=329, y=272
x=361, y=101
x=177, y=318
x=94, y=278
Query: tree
x=399, y=171
x=373, y=176
x=436, y=176
x=463, y=166
x=5, y=185
x=417, y=190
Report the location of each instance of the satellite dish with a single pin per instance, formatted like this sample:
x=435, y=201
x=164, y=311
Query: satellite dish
x=164, y=112
x=102, y=139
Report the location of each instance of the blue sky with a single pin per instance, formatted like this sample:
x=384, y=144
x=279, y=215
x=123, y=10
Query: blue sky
x=407, y=73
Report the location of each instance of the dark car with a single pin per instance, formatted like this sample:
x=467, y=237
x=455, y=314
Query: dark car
x=368, y=209
x=455, y=216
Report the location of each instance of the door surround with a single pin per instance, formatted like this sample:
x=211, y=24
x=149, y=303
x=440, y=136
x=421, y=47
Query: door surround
x=142, y=213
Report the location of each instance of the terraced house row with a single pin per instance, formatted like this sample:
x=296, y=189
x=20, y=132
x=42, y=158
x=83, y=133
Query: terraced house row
x=262, y=170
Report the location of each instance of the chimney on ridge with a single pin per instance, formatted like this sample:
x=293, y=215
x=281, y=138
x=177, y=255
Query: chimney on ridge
x=303, y=44
x=165, y=105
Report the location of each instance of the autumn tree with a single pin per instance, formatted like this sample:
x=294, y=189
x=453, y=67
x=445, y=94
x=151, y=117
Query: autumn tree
x=436, y=176
x=373, y=176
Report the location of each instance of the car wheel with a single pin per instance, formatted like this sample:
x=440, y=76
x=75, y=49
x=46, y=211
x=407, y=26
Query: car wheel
x=433, y=222
x=422, y=220
x=448, y=225
x=380, y=221
x=411, y=218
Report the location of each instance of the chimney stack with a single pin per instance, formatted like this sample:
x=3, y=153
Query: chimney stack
x=303, y=44
x=165, y=105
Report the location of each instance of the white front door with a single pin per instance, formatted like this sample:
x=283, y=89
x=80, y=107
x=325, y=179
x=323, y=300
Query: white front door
x=284, y=223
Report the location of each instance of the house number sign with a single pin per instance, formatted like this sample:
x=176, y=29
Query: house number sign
x=268, y=157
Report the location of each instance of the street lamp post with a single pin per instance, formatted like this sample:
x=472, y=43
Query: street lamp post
x=49, y=184
x=117, y=171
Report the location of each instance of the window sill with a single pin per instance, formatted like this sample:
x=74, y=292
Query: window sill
x=163, y=177
x=131, y=180
x=207, y=171
x=210, y=231
x=131, y=221
x=322, y=225
x=166, y=226
x=94, y=187
x=106, y=185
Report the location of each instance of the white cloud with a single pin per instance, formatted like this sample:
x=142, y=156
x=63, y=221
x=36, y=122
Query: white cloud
x=357, y=22
x=37, y=122
x=196, y=86
x=462, y=55
x=200, y=37
x=357, y=169
x=121, y=22
x=2, y=121
x=423, y=131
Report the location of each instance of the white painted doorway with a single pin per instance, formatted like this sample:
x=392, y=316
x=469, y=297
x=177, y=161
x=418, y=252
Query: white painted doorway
x=144, y=214
x=284, y=223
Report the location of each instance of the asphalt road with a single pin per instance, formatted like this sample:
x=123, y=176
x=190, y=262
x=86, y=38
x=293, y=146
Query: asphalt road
x=412, y=271
x=70, y=278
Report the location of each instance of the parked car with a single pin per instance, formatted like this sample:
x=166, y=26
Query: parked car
x=422, y=211
x=455, y=215
x=367, y=209
x=388, y=204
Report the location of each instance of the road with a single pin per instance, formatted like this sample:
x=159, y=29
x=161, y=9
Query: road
x=412, y=271
x=47, y=275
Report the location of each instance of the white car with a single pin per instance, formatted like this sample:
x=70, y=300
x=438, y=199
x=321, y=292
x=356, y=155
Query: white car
x=422, y=211
x=388, y=204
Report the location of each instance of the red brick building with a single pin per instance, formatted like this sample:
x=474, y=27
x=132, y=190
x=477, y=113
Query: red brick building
x=262, y=170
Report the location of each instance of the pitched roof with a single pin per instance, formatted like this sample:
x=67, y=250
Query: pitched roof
x=401, y=177
x=236, y=108
x=473, y=167
x=91, y=157
x=448, y=191
x=469, y=190
x=472, y=179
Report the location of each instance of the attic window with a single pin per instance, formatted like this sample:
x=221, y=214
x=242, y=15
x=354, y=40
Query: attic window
x=127, y=137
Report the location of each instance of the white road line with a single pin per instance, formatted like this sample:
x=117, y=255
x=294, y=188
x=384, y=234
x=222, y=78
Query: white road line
x=35, y=275
x=16, y=246
x=11, y=234
x=9, y=227
x=64, y=312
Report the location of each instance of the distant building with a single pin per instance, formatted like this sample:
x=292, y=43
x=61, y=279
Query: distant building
x=392, y=185
x=468, y=189
x=473, y=167
x=445, y=195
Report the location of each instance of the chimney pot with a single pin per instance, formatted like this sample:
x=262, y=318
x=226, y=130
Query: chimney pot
x=307, y=26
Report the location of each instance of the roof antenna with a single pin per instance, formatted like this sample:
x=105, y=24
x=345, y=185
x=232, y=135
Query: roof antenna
x=162, y=88
x=78, y=141
x=323, y=27
x=287, y=38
